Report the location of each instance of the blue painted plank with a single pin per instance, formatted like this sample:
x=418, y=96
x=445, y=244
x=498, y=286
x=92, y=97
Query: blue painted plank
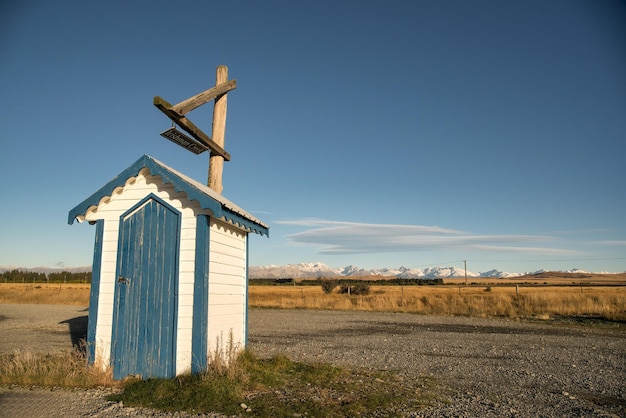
x=145, y=314
x=199, y=332
x=245, y=323
x=94, y=292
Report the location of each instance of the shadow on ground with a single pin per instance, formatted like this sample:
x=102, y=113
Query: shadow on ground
x=78, y=331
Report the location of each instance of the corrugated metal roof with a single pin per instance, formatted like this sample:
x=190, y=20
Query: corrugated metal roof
x=208, y=198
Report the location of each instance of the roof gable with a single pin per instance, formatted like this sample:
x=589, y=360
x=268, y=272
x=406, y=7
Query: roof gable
x=207, y=197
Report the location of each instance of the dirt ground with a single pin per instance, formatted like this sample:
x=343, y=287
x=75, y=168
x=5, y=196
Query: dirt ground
x=486, y=367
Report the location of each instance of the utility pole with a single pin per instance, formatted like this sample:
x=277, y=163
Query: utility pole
x=465, y=262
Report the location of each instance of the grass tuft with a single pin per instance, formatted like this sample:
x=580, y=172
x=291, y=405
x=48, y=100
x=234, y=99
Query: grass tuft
x=67, y=369
x=280, y=387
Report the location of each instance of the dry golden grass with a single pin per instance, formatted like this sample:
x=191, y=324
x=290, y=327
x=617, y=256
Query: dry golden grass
x=607, y=302
x=494, y=298
x=50, y=294
x=65, y=369
x=549, y=277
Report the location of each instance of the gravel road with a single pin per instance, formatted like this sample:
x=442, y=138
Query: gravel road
x=481, y=367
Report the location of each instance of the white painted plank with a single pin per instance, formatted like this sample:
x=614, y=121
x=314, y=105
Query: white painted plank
x=186, y=289
x=229, y=270
x=228, y=303
x=217, y=258
x=218, y=311
x=226, y=288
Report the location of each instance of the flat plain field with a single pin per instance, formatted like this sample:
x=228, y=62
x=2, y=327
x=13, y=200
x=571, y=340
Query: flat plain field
x=543, y=296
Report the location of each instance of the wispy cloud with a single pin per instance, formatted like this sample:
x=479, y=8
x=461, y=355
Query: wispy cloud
x=337, y=237
x=611, y=242
x=530, y=250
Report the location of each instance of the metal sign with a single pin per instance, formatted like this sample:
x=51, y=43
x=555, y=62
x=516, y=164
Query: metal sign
x=183, y=140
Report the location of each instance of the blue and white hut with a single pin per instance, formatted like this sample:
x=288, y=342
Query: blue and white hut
x=170, y=272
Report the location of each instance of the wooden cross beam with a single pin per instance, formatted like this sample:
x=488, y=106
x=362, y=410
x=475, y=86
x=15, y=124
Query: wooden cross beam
x=189, y=127
x=177, y=114
x=199, y=99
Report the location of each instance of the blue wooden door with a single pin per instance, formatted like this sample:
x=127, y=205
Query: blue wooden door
x=144, y=312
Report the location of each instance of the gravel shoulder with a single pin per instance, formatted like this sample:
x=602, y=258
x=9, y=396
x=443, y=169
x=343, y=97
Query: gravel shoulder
x=485, y=367
x=41, y=328
x=481, y=367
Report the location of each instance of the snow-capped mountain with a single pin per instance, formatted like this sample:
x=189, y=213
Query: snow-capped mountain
x=295, y=271
x=316, y=270
x=498, y=274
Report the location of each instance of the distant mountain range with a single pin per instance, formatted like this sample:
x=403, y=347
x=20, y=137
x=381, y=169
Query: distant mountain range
x=316, y=270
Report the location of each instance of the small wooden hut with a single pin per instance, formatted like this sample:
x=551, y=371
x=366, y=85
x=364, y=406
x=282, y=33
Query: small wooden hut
x=169, y=280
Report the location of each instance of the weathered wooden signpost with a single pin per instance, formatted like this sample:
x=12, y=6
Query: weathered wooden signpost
x=170, y=269
x=202, y=142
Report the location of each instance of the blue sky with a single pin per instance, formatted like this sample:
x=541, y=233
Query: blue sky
x=379, y=134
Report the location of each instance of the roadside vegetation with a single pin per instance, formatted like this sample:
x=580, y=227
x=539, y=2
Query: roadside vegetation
x=510, y=301
x=65, y=369
x=247, y=386
x=545, y=298
x=279, y=387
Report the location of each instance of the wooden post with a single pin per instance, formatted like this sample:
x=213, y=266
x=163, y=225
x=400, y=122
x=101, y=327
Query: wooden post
x=216, y=162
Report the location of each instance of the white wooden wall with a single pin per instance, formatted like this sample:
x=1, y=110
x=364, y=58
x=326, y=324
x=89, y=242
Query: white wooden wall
x=227, y=269
x=227, y=288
